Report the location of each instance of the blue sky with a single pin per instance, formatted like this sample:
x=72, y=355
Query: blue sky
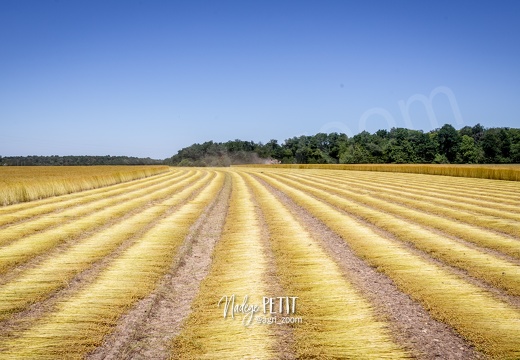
x=147, y=78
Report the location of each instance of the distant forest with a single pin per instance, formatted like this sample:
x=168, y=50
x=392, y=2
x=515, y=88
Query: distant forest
x=75, y=160
x=446, y=145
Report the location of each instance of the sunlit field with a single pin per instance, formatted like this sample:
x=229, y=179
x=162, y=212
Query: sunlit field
x=141, y=262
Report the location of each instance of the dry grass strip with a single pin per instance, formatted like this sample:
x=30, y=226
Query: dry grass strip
x=499, y=172
x=485, y=214
x=482, y=189
x=480, y=230
x=13, y=214
x=27, y=183
x=473, y=188
x=10, y=234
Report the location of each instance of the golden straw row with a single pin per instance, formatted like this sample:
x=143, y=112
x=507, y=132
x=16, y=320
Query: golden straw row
x=429, y=195
x=238, y=270
x=35, y=284
x=337, y=320
x=492, y=325
x=498, y=172
x=79, y=323
x=481, y=189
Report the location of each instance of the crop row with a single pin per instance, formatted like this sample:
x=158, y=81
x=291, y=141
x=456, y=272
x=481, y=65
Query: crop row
x=338, y=320
x=237, y=272
x=412, y=226
x=55, y=272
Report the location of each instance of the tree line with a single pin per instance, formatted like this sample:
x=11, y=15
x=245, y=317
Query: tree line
x=73, y=160
x=445, y=145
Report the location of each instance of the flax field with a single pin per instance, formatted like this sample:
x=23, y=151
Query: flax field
x=259, y=263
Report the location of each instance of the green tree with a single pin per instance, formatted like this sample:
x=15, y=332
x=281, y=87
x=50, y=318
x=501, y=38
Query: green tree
x=491, y=146
x=469, y=152
x=354, y=154
x=515, y=145
x=449, y=140
x=440, y=159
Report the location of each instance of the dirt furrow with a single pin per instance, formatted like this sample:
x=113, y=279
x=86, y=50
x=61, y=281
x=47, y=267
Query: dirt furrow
x=146, y=331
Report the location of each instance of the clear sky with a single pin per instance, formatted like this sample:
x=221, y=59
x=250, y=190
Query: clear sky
x=147, y=78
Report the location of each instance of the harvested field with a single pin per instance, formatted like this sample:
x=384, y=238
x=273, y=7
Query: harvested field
x=264, y=263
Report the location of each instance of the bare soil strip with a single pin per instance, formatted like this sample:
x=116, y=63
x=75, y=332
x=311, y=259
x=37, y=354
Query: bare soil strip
x=146, y=331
